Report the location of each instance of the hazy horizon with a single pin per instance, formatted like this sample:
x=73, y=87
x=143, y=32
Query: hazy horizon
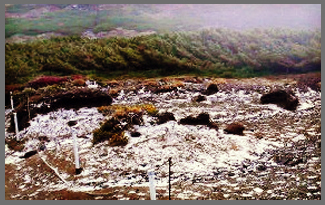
x=233, y=16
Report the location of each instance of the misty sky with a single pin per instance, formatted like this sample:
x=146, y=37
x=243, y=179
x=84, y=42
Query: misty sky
x=258, y=15
x=234, y=16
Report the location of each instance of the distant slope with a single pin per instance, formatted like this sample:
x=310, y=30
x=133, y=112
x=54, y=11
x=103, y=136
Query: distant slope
x=218, y=52
x=72, y=19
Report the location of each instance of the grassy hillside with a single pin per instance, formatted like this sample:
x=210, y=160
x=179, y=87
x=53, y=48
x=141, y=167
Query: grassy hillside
x=218, y=52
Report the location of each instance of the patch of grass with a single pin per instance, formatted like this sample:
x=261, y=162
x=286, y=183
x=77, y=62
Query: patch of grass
x=123, y=110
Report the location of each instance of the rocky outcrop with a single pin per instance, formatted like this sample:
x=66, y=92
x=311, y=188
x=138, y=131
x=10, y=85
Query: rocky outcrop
x=75, y=98
x=29, y=154
x=211, y=89
x=284, y=99
x=201, y=119
x=236, y=128
x=165, y=117
x=135, y=134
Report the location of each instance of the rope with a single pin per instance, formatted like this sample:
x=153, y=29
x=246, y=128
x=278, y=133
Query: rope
x=69, y=184
x=55, y=171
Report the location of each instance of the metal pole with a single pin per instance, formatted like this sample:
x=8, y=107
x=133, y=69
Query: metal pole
x=151, y=175
x=169, y=162
x=76, y=154
x=12, y=102
x=16, y=123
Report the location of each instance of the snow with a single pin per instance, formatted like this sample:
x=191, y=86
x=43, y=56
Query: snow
x=195, y=150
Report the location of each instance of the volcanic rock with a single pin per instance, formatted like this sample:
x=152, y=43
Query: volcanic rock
x=136, y=119
x=211, y=89
x=236, y=128
x=29, y=154
x=201, y=119
x=75, y=98
x=72, y=123
x=165, y=117
x=284, y=99
x=135, y=134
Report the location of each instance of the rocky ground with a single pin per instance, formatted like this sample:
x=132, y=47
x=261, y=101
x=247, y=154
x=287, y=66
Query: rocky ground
x=277, y=157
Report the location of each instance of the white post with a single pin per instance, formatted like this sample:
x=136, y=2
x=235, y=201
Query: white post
x=152, y=187
x=75, y=149
x=12, y=102
x=16, y=123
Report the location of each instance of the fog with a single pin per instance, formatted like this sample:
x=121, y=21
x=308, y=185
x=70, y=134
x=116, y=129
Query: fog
x=243, y=16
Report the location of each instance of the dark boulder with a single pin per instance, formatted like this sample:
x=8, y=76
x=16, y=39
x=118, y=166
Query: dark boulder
x=29, y=154
x=78, y=171
x=284, y=99
x=211, y=89
x=72, y=123
x=236, y=128
x=136, y=119
x=135, y=134
x=81, y=98
x=201, y=119
x=165, y=117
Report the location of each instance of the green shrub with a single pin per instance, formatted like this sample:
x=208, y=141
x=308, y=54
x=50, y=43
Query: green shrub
x=114, y=139
x=111, y=131
x=100, y=136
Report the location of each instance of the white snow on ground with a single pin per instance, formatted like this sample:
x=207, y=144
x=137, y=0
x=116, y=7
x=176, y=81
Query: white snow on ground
x=195, y=150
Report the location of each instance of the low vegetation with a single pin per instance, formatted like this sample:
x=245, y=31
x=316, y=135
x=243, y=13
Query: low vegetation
x=215, y=52
x=122, y=118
